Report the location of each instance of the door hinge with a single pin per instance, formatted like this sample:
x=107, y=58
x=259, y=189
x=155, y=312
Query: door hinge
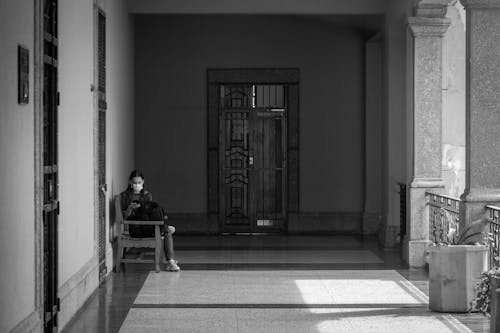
x=58, y=209
x=58, y=98
x=58, y=304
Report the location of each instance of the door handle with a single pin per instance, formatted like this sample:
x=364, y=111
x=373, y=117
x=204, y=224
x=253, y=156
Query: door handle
x=250, y=160
x=103, y=188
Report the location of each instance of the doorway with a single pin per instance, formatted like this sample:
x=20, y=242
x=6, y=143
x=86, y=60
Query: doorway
x=250, y=112
x=252, y=157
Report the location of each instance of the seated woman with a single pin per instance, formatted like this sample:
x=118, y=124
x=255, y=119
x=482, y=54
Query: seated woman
x=131, y=200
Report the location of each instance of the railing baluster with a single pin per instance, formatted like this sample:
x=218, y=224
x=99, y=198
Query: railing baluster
x=494, y=236
x=443, y=209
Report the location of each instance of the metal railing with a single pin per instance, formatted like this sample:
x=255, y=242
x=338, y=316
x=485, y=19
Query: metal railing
x=494, y=236
x=402, y=212
x=443, y=218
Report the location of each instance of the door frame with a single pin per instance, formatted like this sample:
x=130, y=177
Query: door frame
x=40, y=169
x=100, y=189
x=38, y=156
x=216, y=77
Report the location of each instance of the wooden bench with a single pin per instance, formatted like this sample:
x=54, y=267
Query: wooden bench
x=125, y=241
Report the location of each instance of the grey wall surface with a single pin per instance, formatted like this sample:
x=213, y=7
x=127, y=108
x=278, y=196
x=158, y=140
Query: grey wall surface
x=453, y=125
x=172, y=56
x=17, y=232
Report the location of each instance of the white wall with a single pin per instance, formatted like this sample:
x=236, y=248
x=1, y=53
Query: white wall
x=120, y=97
x=76, y=142
x=17, y=223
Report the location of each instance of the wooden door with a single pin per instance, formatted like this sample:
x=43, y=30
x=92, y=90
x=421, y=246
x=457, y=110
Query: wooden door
x=252, y=122
x=269, y=168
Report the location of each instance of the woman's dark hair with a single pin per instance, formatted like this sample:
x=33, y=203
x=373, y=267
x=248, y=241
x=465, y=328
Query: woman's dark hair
x=135, y=173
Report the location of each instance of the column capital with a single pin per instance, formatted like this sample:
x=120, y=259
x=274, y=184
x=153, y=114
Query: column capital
x=480, y=4
x=427, y=183
x=428, y=26
x=432, y=8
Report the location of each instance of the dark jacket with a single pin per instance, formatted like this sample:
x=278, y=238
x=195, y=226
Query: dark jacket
x=128, y=196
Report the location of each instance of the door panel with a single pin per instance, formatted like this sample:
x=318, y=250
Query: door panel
x=235, y=171
x=269, y=169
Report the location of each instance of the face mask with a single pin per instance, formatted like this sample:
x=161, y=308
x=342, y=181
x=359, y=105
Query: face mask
x=137, y=187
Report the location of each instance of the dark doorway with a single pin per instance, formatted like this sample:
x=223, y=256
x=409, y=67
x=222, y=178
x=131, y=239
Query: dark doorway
x=250, y=155
x=50, y=166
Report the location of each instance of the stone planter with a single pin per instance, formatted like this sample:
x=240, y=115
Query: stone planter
x=494, y=308
x=453, y=272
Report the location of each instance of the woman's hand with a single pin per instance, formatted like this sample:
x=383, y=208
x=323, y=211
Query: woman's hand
x=134, y=205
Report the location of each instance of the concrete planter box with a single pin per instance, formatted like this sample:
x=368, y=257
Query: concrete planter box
x=453, y=272
x=494, y=308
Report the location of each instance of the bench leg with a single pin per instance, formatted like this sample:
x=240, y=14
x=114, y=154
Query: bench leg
x=158, y=248
x=119, y=256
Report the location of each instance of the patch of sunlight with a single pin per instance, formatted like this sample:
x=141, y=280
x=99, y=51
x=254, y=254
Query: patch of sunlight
x=358, y=291
x=353, y=303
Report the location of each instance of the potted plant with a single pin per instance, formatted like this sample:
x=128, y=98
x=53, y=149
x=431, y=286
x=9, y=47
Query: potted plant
x=455, y=263
x=488, y=293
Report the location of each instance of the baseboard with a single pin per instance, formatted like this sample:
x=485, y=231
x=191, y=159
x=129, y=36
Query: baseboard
x=32, y=323
x=318, y=222
x=371, y=223
x=74, y=292
x=306, y=222
x=192, y=223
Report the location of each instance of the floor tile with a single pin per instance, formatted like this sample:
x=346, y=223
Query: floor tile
x=271, y=284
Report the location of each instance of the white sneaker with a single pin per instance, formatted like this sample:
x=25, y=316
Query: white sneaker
x=172, y=266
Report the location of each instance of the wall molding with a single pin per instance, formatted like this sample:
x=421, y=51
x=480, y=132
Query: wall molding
x=32, y=323
x=77, y=289
x=320, y=222
x=371, y=223
x=303, y=222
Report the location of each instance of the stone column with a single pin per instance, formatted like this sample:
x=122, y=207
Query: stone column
x=482, y=127
x=427, y=106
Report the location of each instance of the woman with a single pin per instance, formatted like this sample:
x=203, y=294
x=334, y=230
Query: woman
x=132, y=199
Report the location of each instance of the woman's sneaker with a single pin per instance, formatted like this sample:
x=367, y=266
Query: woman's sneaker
x=172, y=266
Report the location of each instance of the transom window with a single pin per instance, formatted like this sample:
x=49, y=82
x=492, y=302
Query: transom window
x=266, y=96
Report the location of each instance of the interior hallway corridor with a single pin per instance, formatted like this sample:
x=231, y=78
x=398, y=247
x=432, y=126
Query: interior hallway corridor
x=271, y=284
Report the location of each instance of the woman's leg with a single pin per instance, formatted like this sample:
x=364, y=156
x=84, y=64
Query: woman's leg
x=168, y=245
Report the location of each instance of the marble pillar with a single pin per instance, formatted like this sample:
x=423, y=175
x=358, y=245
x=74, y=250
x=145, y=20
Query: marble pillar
x=427, y=34
x=482, y=127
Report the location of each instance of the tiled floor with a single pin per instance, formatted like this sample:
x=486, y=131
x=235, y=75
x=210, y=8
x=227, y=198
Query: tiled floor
x=271, y=284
